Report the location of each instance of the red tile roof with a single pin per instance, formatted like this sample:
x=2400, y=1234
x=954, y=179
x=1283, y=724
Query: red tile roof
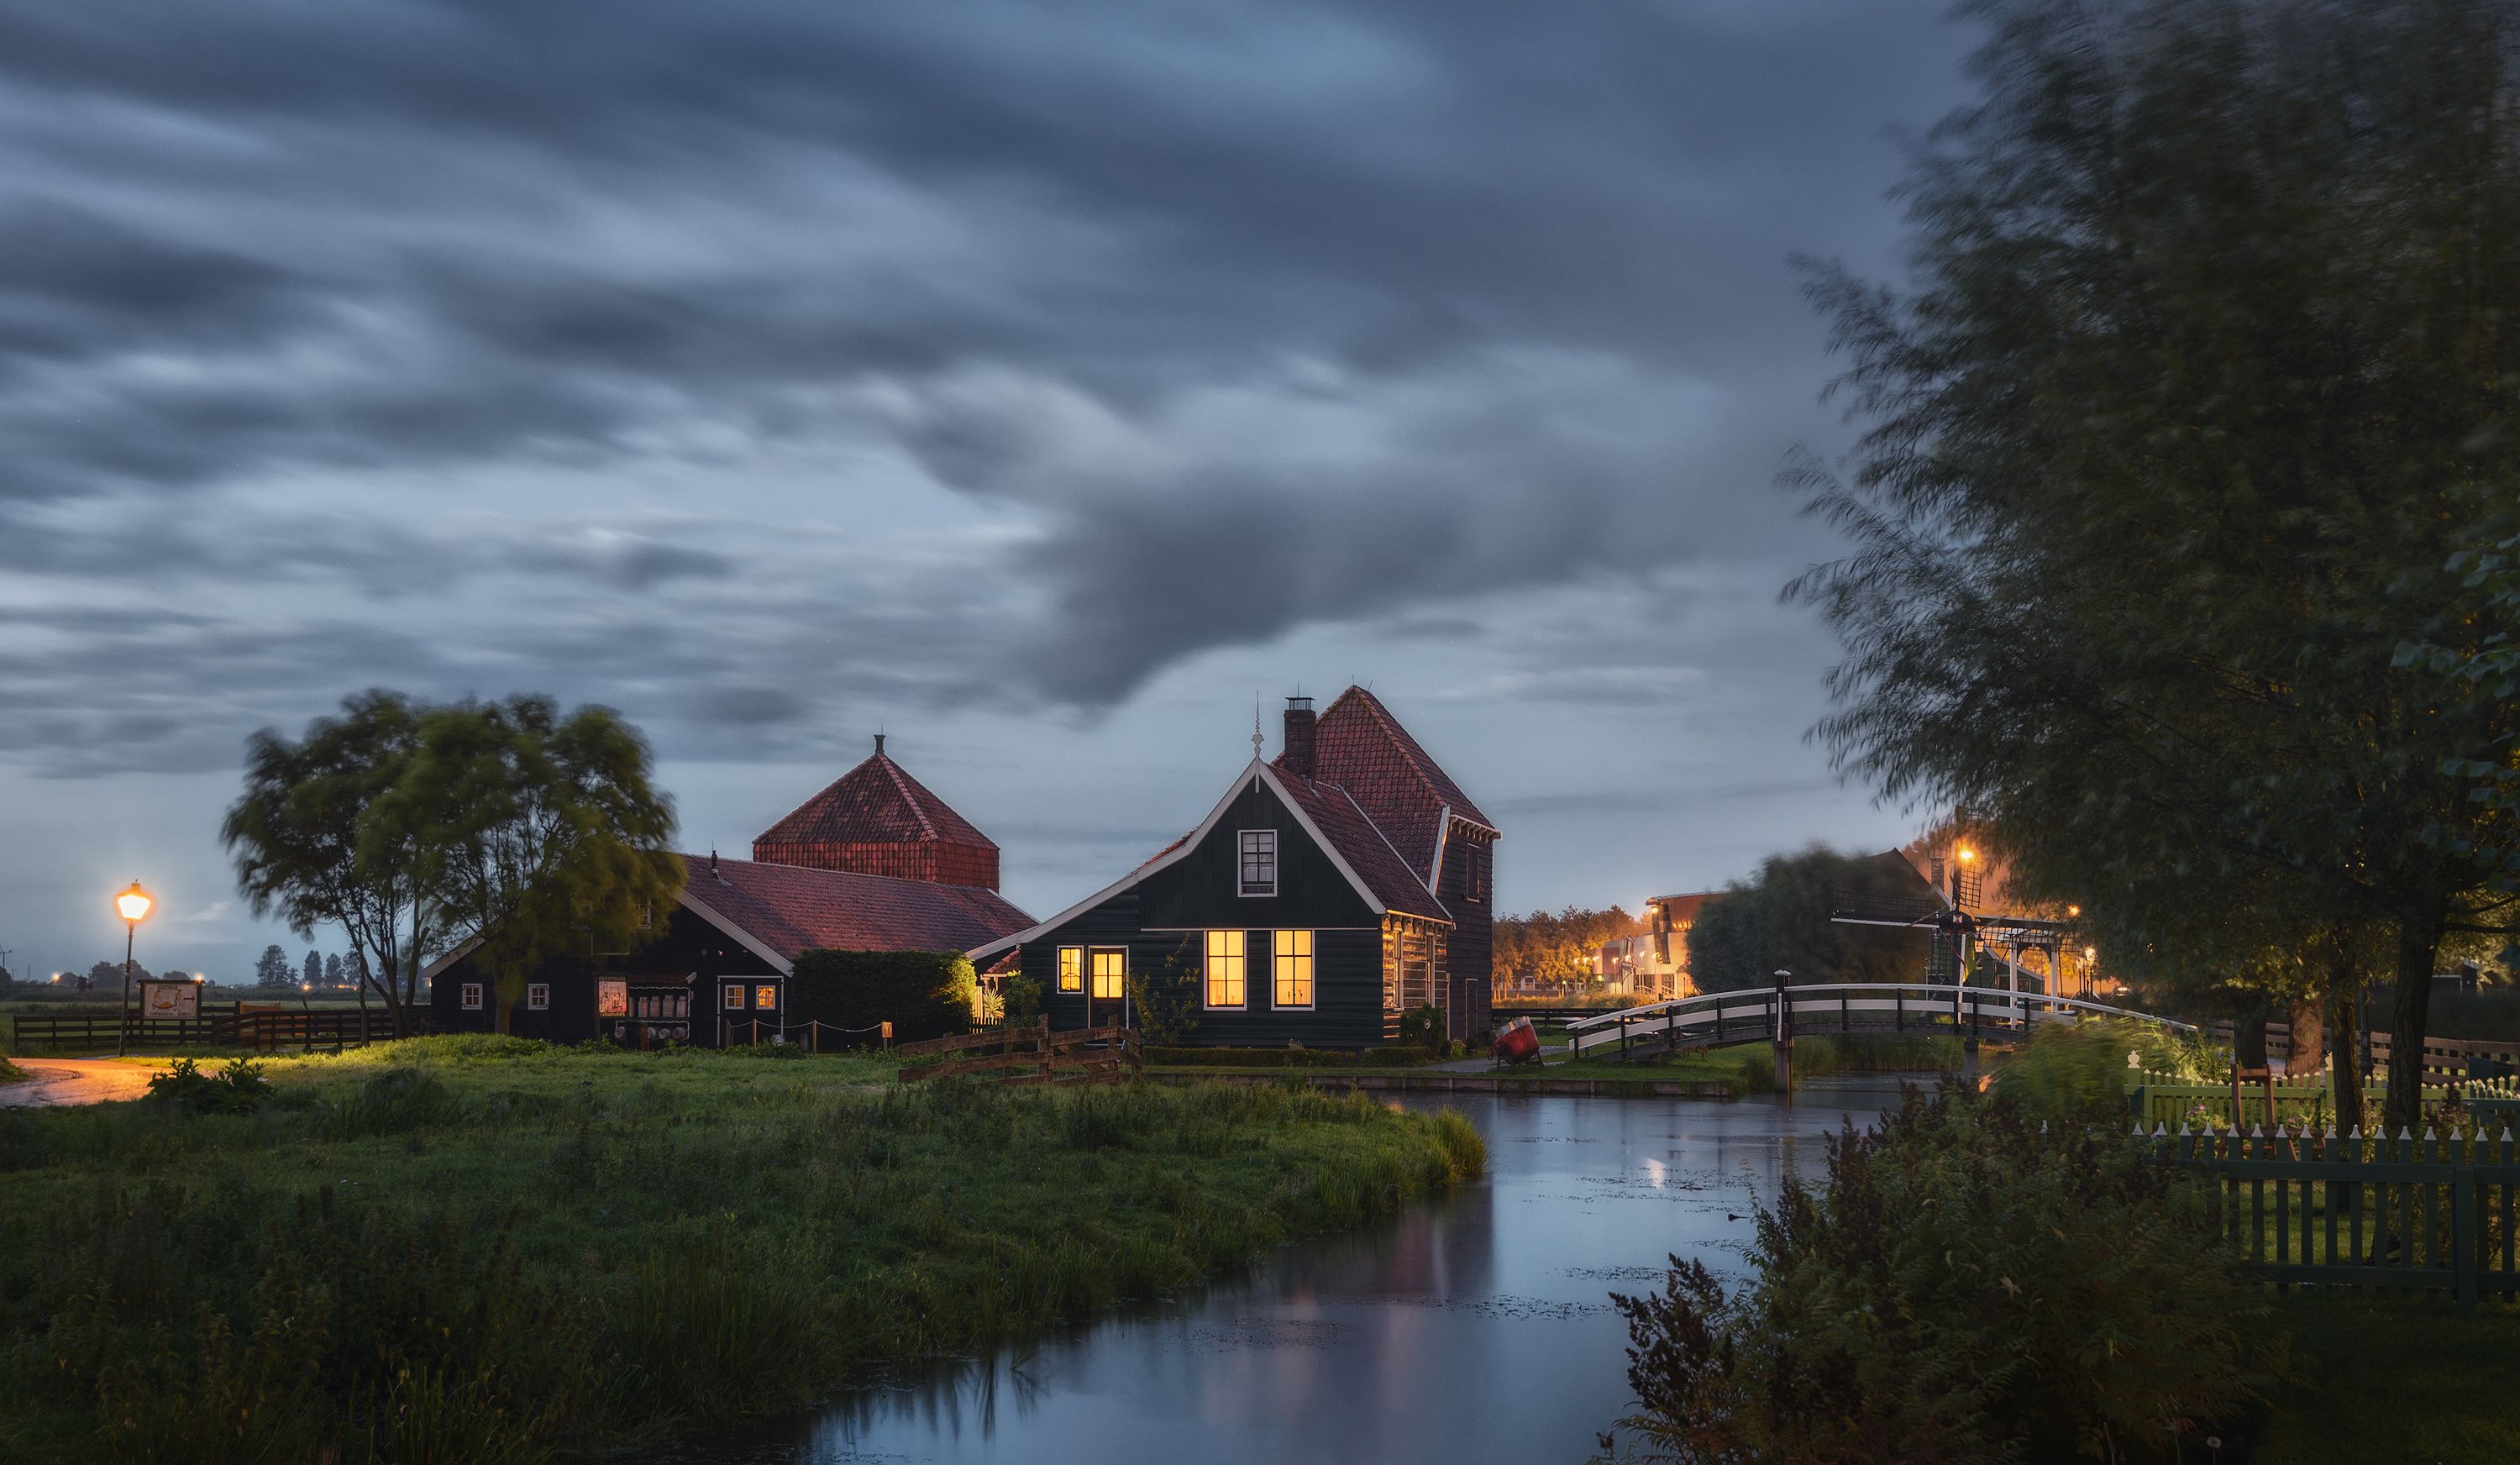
x=874, y=802
x=791, y=910
x=1359, y=747
x=1363, y=846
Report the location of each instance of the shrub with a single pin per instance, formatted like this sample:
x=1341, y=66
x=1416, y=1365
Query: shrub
x=237, y=1088
x=1423, y=1027
x=2077, y=1071
x=924, y=995
x=1962, y=1286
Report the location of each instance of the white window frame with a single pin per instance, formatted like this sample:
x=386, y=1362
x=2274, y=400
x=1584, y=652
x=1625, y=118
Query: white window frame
x=1119, y=979
x=538, y=997
x=731, y=997
x=761, y=989
x=1248, y=844
x=469, y=994
x=1238, y=961
x=1310, y=956
x=1071, y=969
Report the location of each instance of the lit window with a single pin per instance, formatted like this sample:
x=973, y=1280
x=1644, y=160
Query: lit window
x=733, y=998
x=1110, y=975
x=1293, y=961
x=471, y=996
x=765, y=997
x=1259, y=862
x=538, y=997
x=1225, y=968
x=612, y=999
x=1071, y=969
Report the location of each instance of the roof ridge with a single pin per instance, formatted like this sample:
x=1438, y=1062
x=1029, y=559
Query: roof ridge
x=903, y=786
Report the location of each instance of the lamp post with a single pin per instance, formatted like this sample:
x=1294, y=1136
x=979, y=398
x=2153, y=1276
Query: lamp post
x=133, y=906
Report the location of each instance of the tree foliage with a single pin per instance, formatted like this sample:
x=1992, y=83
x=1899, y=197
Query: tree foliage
x=1779, y=920
x=537, y=834
x=305, y=842
x=1561, y=947
x=271, y=968
x=2210, y=364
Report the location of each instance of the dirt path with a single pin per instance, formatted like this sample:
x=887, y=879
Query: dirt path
x=78, y=1081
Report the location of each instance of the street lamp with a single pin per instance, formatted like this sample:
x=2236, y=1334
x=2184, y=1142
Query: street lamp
x=133, y=906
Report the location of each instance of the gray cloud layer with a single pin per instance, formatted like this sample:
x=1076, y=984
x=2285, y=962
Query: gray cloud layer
x=740, y=361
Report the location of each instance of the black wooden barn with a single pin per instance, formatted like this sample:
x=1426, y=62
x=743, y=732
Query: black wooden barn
x=872, y=860
x=1325, y=894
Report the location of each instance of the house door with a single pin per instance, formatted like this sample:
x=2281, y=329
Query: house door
x=1106, y=992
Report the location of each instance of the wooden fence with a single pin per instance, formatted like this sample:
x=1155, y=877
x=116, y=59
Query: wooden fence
x=268, y=1030
x=2416, y=1214
x=1028, y=1056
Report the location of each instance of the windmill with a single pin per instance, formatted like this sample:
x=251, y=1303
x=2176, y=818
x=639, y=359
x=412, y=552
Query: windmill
x=1961, y=925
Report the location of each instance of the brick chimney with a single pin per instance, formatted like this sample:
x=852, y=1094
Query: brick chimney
x=1298, y=755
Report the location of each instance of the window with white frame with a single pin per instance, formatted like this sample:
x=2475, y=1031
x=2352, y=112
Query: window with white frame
x=538, y=997
x=471, y=996
x=1259, y=862
x=1110, y=974
x=734, y=998
x=1071, y=969
x=1225, y=968
x=1292, y=960
x=765, y=997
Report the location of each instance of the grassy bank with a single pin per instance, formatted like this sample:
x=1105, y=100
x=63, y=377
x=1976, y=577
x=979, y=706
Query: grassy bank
x=480, y=1250
x=2388, y=1379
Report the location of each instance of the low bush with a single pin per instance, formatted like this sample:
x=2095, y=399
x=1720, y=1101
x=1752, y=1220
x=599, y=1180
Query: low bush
x=924, y=995
x=237, y=1088
x=11, y=1072
x=1962, y=1286
x=1887, y=1052
x=2077, y=1071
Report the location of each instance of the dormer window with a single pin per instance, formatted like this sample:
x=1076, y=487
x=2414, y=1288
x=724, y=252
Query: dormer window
x=1259, y=862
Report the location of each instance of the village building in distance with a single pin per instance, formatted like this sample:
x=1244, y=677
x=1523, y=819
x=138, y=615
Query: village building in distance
x=1330, y=891
x=874, y=863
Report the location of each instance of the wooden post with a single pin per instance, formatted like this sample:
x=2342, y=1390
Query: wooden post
x=888, y=1036
x=1784, y=1036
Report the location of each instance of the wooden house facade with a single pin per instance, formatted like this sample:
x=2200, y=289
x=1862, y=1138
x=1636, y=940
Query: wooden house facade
x=1291, y=911
x=715, y=967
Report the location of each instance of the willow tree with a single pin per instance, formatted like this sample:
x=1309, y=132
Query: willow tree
x=2205, y=369
x=540, y=834
x=295, y=838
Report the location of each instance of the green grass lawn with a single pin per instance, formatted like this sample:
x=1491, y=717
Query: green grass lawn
x=2394, y=1382
x=478, y=1249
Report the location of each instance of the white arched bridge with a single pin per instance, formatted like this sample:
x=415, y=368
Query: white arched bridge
x=1766, y=1014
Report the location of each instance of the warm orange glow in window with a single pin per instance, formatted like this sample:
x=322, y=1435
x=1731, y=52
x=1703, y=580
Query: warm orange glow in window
x=765, y=997
x=1292, y=985
x=1071, y=969
x=1225, y=968
x=1110, y=975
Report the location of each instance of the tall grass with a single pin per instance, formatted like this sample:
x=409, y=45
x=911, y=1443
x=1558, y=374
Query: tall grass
x=476, y=1250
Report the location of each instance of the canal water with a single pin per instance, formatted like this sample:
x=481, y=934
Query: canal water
x=1476, y=1328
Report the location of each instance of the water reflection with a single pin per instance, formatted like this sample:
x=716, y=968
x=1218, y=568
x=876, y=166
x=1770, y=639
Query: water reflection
x=1475, y=1329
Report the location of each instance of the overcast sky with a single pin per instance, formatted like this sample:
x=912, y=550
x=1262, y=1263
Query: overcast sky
x=1039, y=384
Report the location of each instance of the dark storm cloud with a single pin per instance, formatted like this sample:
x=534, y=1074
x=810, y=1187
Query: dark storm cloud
x=1254, y=316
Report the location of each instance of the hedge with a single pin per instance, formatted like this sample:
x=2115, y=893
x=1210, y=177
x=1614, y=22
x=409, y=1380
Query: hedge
x=923, y=994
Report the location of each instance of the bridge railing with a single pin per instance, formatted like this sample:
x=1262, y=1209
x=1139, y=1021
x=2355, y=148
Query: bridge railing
x=1750, y=1014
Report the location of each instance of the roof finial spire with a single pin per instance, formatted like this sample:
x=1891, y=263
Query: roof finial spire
x=1255, y=730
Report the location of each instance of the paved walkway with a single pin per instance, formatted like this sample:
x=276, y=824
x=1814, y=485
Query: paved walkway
x=76, y=1081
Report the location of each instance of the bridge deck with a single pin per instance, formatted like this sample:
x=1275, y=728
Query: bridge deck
x=1716, y=1019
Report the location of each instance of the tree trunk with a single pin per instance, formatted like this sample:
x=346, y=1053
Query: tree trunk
x=2345, y=1045
x=2418, y=943
x=2249, y=1038
x=2308, y=1037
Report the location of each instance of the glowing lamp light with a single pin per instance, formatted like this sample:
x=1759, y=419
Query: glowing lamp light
x=1967, y=853
x=2090, y=953
x=134, y=903
x=2073, y=910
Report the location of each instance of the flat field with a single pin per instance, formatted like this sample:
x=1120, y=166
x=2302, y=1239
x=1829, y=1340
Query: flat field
x=482, y=1249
